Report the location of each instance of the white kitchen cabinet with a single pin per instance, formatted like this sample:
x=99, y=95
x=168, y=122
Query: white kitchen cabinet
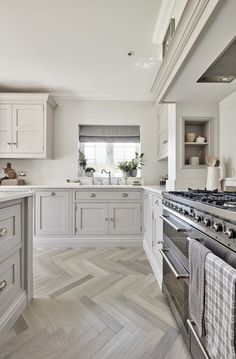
x=148, y=217
x=162, y=132
x=26, y=126
x=5, y=128
x=91, y=218
x=52, y=213
x=125, y=218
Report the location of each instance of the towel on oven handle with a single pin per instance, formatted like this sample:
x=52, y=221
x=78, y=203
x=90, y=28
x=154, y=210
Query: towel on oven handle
x=220, y=308
x=197, y=256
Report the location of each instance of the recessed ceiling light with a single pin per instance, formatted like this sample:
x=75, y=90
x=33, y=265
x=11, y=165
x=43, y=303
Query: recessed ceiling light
x=131, y=53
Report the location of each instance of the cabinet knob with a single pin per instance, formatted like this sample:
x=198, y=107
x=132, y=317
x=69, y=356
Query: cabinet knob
x=9, y=143
x=3, y=284
x=3, y=231
x=106, y=218
x=157, y=202
x=111, y=219
x=160, y=242
x=14, y=143
x=52, y=194
x=124, y=195
x=92, y=195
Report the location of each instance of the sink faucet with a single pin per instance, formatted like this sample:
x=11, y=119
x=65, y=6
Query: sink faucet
x=109, y=173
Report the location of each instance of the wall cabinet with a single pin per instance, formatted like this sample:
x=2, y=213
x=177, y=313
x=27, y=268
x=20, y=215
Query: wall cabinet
x=26, y=126
x=162, y=132
x=52, y=213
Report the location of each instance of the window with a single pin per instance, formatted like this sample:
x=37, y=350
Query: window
x=106, y=146
x=108, y=155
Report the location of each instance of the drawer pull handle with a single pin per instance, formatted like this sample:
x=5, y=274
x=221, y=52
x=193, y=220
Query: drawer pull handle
x=160, y=242
x=9, y=143
x=53, y=194
x=164, y=142
x=124, y=195
x=92, y=195
x=3, y=284
x=3, y=231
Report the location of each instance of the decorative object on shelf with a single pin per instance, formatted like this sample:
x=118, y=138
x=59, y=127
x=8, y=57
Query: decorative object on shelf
x=130, y=168
x=10, y=177
x=9, y=172
x=163, y=180
x=89, y=171
x=190, y=136
x=194, y=161
x=200, y=139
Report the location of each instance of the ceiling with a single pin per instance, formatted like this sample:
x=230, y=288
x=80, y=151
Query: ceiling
x=218, y=33
x=79, y=47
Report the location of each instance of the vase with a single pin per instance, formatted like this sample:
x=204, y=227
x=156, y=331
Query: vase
x=133, y=173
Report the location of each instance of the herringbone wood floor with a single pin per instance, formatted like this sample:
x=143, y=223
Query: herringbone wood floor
x=94, y=303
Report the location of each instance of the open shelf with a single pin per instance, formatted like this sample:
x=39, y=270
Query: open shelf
x=195, y=143
x=200, y=127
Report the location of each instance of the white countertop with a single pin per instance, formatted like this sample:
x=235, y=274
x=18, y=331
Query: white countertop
x=153, y=188
x=8, y=195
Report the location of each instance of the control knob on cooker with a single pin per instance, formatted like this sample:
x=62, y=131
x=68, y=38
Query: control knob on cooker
x=185, y=212
x=207, y=222
x=198, y=218
x=218, y=227
x=230, y=233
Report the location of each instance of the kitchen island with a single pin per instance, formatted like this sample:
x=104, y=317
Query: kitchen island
x=16, y=233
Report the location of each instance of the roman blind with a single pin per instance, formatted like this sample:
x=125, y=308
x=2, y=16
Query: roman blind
x=90, y=133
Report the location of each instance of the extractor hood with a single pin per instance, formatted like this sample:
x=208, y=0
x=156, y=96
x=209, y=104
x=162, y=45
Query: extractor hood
x=223, y=68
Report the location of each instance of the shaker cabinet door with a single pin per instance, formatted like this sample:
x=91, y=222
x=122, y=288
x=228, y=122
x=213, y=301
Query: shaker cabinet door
x=125, y=218
x=52, y=213
x=28, y=129
x=91, y=218
x=5, y=129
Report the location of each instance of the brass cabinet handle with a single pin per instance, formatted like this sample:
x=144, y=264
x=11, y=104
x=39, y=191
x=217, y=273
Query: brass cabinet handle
x=3, y=284
x=3, y=231
x=124, y=195
x=92, y=195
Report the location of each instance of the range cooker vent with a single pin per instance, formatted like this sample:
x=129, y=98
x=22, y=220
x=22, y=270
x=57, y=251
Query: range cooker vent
x=223, y=69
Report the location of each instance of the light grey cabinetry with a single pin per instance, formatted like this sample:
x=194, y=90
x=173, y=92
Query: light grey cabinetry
x=125, y=218
x=15, y=260
x=52, y=209
x=91, y=218
x=153, y=237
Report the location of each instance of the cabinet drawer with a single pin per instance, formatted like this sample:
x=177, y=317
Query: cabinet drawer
x=10, y=228
x=108, y=195
x=10, y=278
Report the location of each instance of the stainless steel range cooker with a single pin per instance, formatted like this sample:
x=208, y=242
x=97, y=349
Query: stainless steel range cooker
x=210, y=218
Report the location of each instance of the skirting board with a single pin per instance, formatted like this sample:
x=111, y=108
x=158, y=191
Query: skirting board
x=87, y=242
x=153, y=262
x=12, y=314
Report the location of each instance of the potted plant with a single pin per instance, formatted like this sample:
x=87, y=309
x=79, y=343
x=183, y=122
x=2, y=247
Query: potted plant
x=136, y=164
x=82, y=163
x=89, y=171
x=124, y=166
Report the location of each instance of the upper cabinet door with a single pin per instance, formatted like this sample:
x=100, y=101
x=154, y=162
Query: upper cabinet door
x=5, y=128
x=28, y=129
x=125, y=218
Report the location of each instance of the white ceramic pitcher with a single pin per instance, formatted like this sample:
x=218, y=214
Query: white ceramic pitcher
x=214, y=178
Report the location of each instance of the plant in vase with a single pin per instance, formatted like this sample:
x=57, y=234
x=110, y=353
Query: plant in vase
x=82, y=162
x=124, y=166
x=89, y=171
x=135, y=164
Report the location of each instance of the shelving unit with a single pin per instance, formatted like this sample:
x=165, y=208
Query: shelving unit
x=201, y=127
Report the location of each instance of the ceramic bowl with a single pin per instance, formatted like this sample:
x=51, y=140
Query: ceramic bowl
x=190, y=137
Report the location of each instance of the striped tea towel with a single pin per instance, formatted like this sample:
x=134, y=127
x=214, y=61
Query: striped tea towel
x=197, y=256
x=220, y=308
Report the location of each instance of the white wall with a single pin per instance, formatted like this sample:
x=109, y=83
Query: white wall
x=227, y=113
x=69, y=114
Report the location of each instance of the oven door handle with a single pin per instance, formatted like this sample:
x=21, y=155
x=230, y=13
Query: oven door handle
x=174, y=271
x=177, y=229
x=191, y=326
